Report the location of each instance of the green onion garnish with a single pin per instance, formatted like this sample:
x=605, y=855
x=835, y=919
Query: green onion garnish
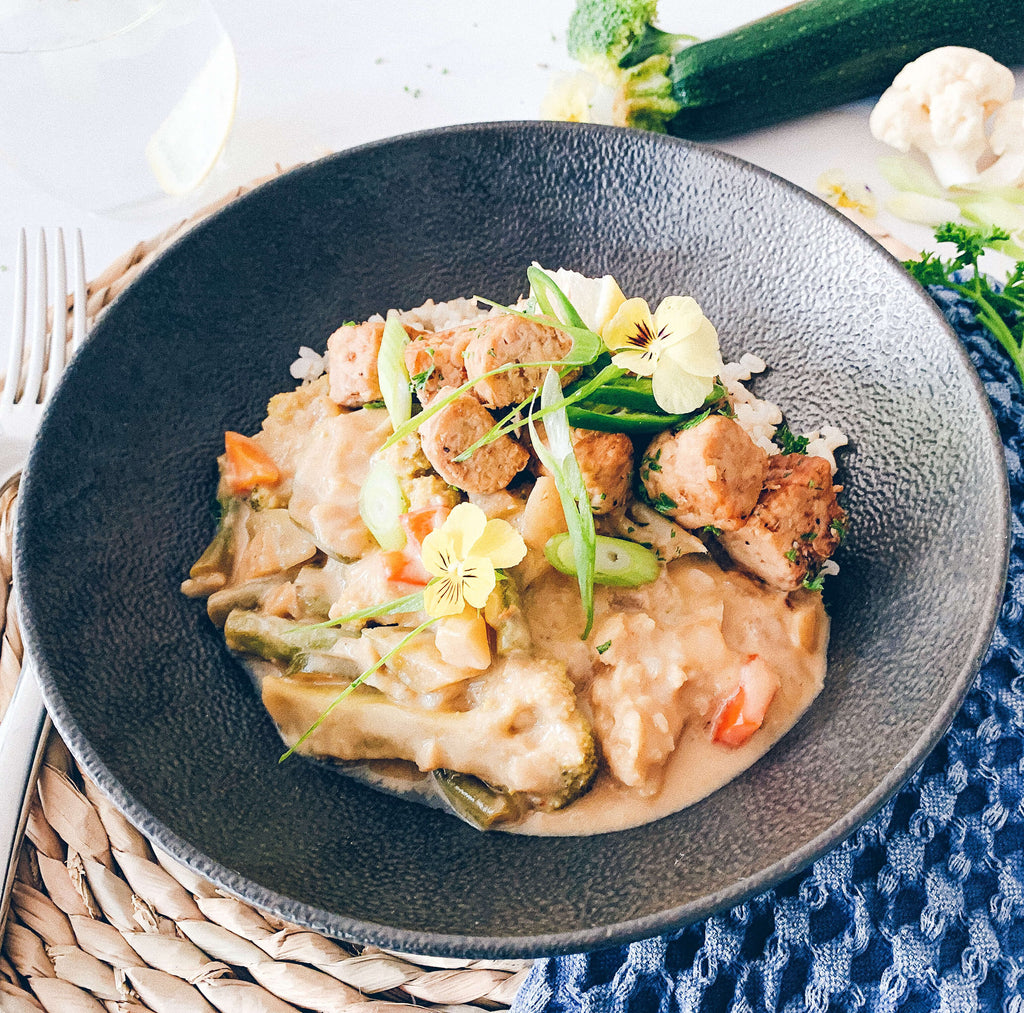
x=559, y=459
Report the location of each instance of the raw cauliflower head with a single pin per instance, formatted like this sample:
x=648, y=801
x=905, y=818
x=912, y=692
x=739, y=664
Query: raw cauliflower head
x=939, y=104
x=1007, y=140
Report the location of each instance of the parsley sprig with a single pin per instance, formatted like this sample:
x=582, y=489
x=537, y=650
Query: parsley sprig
x=999, y=308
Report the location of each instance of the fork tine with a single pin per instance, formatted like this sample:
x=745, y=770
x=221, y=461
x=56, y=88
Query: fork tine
x=16, y=350
x=38, y=329
x=79, y=321
x=59, y=326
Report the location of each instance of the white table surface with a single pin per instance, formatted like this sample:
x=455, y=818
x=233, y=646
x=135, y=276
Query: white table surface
x=318, y=76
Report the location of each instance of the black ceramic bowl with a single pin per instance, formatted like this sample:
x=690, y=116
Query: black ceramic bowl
x=117, y=503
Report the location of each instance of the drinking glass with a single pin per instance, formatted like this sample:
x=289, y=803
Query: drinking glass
x=114, y=105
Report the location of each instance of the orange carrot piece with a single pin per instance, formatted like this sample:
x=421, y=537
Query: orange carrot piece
x=248, y=464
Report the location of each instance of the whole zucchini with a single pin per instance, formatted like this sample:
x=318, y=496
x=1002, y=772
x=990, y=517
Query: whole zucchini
x=822, y=53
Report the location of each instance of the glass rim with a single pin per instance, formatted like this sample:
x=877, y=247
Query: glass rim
x=35, y=29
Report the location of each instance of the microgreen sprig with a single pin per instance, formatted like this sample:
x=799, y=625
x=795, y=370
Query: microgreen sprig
x=1000, y=310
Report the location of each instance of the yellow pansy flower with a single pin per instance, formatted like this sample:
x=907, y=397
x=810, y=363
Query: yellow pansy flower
x=463, y=555
x=676, y=346
x=837, y=189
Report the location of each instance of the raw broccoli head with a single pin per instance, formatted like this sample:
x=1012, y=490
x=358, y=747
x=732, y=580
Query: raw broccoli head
x=644, y=97
x=602, y=30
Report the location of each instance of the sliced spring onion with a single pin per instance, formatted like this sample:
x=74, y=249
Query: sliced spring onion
x=392, y=375
x=355, y=684
x=381, y=505
x=515, y=418
x=586, y=345
x=547, y=291
x=557, y=312
x=617, y=562
x=560, y=461
x=438, y=404
x=409, y=603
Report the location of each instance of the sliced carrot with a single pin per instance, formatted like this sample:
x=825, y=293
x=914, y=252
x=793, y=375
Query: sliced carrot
x=733, y=728
x=405, y=565
x=420, y=522
x=743, y=712
x=247, y=464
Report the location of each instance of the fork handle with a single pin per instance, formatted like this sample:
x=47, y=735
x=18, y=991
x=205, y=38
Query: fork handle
x=23, y=734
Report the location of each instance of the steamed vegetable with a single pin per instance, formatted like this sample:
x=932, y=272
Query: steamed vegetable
x=617, y=561
x=477, y=802
x=807, y=57
x=744, y=711
x=381, y=505
x=247, y=464
x=551, y=764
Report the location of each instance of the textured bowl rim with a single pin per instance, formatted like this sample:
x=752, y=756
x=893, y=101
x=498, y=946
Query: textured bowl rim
x=549, y=944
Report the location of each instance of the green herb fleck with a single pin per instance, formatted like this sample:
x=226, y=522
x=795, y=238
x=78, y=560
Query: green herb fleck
x=710, y=529
x=791, y=555
x=809, y=536
x=663, y=503
x=375, y=404
x=788, y=442
x=419, y=381
x=814, y=583
x=837, y=525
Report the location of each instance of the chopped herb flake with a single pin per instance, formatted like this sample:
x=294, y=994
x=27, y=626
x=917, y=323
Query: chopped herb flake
x=788, y=442
x=814, y=583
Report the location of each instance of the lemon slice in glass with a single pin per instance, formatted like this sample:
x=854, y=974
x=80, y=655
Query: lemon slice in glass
x=186, y=146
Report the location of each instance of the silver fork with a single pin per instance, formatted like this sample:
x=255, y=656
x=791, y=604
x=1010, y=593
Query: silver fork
x=35, y=364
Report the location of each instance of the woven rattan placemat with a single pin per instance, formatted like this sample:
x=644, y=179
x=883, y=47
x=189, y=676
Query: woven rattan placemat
x=101, y=921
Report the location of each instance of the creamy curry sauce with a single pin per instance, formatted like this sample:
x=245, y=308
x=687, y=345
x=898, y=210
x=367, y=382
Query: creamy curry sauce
x=642, y=700
x=674, y=649
x=708, y=623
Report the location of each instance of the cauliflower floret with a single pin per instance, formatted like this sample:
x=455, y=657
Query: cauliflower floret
x=939, y=104
x=1007, y=141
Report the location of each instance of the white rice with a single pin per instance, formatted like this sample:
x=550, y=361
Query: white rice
x=309, y=366
x=760, y=419
x=441, y=316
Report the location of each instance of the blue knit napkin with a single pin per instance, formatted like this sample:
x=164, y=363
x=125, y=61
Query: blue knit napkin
x=922, y=909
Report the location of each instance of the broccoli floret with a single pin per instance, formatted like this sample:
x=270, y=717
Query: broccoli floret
x=619, y=33
x=644, y=97
x=627, y=63
x=604, y=29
